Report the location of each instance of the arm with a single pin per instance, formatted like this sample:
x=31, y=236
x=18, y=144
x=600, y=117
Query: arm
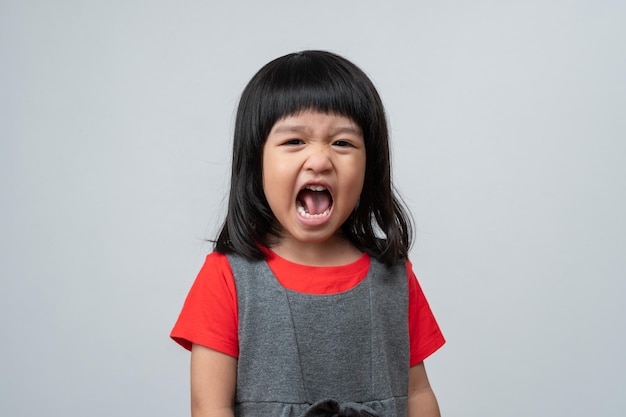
x=213, y=381
x=422, y=401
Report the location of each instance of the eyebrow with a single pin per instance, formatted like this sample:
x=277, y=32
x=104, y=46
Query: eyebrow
x=306, y=130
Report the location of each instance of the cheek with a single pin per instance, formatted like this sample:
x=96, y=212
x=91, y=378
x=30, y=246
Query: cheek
x=358, y=187
x=359, y=174
x=274, y=176
x=268, y=167
x=276, y=185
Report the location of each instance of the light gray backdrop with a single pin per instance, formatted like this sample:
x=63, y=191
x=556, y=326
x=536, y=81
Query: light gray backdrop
x=508, y=123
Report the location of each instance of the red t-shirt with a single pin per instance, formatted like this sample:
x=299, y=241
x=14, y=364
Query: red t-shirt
x=209, y=315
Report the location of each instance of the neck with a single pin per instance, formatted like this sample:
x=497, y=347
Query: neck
x=332, y=252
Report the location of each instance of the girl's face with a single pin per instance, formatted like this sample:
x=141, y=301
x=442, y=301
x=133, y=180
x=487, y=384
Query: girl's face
x=313, y=173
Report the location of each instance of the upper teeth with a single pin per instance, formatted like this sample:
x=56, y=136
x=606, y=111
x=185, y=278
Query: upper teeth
x=315, y=187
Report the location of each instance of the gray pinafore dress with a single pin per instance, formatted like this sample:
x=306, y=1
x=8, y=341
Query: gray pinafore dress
x=344, y=354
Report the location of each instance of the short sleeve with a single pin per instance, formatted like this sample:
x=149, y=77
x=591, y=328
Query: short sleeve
x=424, y=333
x=209, y=314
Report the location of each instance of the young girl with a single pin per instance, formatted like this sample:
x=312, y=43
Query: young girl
x=309, y=306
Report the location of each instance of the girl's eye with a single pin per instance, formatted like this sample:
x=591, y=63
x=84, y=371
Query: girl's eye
x=342, y=143
x=294, y=142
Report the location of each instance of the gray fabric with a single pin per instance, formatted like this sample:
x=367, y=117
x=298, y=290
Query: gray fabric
x=297, y=350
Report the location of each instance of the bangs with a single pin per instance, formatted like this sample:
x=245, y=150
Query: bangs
x=311, y=81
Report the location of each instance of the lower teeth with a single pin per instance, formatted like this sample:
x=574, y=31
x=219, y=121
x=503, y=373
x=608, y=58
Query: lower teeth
x=307, y=215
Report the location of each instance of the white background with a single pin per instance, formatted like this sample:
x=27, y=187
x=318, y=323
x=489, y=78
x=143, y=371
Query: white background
x=508, y=126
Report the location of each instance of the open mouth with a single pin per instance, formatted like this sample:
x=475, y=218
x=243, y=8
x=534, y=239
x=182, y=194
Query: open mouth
x=314, y=202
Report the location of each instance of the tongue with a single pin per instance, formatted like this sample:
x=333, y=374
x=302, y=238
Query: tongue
x=315, y=202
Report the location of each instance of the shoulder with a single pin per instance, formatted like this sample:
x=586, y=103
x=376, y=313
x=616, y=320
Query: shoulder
x=414, y=285
x=209, y=314
x=385, y=251
x=402, y=266
x=226, y=262
x=216, y=259
x=216, y=271
x=216, y=262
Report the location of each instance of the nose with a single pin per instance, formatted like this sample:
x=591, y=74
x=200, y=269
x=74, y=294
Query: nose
x=318, y=160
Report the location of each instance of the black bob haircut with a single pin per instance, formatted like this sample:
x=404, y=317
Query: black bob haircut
x=325, y=82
